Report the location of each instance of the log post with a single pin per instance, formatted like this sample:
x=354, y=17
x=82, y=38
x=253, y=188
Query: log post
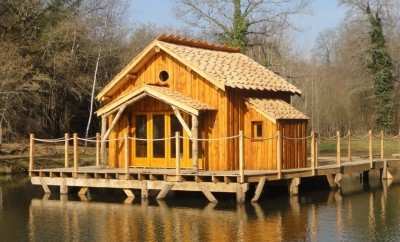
x=349, y=145
x=126, y=154
x=279, y=154
x=76, y=154
x=241, y=156
x=103, y=154
x=371, y=159
x=382, y=149
x=177, y=155
x=313, y=152
x=31, y=152
x=338, y=155
x=66, y=144
x=195, y=142
x=98, y=150
x=316, y=149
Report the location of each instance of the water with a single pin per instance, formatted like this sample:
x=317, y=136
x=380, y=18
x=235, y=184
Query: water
x=25, y=215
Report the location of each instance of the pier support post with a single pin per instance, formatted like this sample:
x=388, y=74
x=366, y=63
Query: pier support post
x=63, y=189
x=374, y=176
x=331, y=180
x=240, y=193
x=129, y=193
x=259, y=189
x=294, y=186
x=46, y=188
x=349, y=183
x=386, y=175
x=83, y=191
x=144, y=191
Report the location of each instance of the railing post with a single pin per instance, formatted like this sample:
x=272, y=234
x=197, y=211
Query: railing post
x=382, y=149
x=98, y=149
x=316, y=150
x=31, y=152
x=313, y=152
x=279, y=154
x=177, y=155
x=349, y=145
x=126, y=152
x=371, y=159
x=338, y=155
x=76, y=154
x=241, y=156
x=66, y=144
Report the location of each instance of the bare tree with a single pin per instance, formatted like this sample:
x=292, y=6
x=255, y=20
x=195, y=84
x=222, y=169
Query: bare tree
x=238, y=22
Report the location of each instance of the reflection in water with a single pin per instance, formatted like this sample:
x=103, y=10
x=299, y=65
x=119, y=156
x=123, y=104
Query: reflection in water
x=320, y=216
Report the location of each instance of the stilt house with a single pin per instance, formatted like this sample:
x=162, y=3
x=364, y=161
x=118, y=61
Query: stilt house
x=208, y=93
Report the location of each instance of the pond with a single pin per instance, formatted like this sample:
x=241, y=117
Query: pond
x=27, y=215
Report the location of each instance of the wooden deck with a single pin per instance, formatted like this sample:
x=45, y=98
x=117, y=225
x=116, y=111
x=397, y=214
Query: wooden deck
x=208, y=182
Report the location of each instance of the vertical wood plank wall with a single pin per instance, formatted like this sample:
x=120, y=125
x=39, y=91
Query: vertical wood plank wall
x=294, y=152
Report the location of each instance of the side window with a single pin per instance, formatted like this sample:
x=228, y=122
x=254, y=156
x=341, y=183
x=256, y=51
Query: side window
x=256, y=129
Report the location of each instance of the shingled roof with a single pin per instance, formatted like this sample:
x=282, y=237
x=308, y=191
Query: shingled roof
x=275, y=109
x=221, y=65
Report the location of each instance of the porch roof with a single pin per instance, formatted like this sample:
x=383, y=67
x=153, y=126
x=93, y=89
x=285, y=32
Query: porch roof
x=164, y=94
x=275, y=109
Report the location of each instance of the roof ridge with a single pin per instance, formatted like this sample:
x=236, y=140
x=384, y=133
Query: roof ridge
x=197, y=43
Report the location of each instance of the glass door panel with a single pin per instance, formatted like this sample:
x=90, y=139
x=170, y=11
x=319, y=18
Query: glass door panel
x=141, y=133
x=158, y=133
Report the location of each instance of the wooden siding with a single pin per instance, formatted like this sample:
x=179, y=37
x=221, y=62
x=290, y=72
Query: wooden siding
x=294, y=152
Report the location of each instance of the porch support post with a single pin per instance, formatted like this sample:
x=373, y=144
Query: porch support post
x=195, y=142
x=103, y=155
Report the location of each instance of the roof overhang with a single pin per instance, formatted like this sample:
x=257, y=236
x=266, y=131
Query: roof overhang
x=148, y=52
x=174, y=99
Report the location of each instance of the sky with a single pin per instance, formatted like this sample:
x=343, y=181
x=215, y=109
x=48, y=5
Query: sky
x=324, y=14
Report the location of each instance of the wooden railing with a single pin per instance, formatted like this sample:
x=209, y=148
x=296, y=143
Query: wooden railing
x=314, y=146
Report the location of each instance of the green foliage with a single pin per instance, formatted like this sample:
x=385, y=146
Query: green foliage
x=380, y=65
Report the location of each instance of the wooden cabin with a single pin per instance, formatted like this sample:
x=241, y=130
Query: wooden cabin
x=203, y=91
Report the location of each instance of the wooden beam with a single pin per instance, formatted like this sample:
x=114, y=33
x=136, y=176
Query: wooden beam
x=279, y=154
x=66, y=145
x=313, y=152
x=31, y=152
x=114, y=122
x=338, y=155
x=241, y=156
x=83, y=191
x=164, y=191
x=259, y=189
x=76, y=154
x=129, y=193
x=98, y=149
x=382, y=149
x=195, y=142
x=210, y=197
x=182, y=121
x=371, y=159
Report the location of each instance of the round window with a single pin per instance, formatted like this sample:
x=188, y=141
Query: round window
x=163, y=76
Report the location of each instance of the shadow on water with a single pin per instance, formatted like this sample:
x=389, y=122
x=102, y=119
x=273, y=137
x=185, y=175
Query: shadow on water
x=318, y=215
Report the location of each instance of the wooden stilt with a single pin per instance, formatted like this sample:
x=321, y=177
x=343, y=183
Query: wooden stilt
x=144, y=191
x=164, y=191
x=240, y=193
x=259, y=189
x=294, y=186
x=210, y=197
x=129, y=193
x=83, y=191
x=46, y=188
x=63, y=189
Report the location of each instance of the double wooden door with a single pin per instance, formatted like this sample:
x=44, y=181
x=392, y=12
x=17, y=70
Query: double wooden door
x=155, y=143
